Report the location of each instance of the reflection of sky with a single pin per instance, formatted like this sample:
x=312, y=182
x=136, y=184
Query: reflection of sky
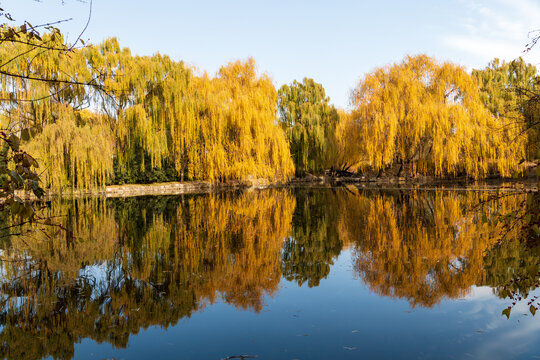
x=97, y=275
x=340, y=319
x=520, y=333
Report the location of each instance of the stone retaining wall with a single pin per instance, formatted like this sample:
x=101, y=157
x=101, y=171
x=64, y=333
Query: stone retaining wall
x=170, y=188
x=177, y=188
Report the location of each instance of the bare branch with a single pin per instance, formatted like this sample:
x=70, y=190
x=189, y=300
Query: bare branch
x=85, y=27
x=71, y=82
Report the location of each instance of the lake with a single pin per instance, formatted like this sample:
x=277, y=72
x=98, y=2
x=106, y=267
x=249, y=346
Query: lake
x=302, y=273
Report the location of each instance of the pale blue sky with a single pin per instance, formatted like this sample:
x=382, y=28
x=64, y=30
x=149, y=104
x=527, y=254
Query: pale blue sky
x=334, y=42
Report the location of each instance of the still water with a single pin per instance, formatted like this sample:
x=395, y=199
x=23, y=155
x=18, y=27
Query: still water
x=339, y=273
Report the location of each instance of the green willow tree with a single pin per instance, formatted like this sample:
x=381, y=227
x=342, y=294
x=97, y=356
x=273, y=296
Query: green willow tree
x=508, y=90
x=310, y=124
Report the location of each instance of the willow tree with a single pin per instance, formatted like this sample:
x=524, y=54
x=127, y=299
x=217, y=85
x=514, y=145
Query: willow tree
x=76, y=150
x=157, y=121
x=217, y=129
x=46, y=84
x=508, y=90
x=345, y=154
x=430, y=116
x=309, y=122
x=137, y=86
x=314, y=243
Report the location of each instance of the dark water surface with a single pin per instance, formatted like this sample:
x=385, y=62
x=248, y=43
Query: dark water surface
x=278, y=274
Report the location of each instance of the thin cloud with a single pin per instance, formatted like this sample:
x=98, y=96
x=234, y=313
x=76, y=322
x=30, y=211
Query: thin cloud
x=496, y=29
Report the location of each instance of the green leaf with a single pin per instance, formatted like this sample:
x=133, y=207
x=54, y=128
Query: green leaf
x=25, y=134
x=16, y=177
x=16, y=208
x=37, y=190
x=31, y=160
x=14, y=142
x=6, y=185
x=532, y=309
x=27, y=211
x=484, y=218
x=536, y=229
x=507, y=312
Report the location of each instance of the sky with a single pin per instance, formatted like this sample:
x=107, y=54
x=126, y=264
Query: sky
x=334, y=42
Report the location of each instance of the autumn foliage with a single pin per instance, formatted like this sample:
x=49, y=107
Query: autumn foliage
x=430, y=116
x=127, y=264
x=100, y=115
x=142, y=119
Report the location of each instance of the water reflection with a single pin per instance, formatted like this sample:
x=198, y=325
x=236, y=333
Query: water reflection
x=419, y=246
x=136, y=263
x=122, y=265
x=314, y=240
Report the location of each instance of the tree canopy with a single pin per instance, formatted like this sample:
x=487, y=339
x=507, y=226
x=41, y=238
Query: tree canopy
x=509, y=90
x=309, y=122
x=99, y=115
x=155, y=117
x=430, y=115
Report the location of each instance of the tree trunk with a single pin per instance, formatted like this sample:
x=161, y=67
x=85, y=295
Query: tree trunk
x=400, y=169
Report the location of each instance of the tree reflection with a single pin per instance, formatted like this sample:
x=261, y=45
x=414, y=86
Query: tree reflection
x=314, y=242
x=121, y=265
x=134, y=264
x=512, y=266
x=421, y=246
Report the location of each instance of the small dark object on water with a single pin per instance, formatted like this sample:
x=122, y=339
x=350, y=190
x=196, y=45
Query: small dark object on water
x=242, y=357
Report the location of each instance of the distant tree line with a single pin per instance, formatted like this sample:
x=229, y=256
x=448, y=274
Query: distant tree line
x=99, y=115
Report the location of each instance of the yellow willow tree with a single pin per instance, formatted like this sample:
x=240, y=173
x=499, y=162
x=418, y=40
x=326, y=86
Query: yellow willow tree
x=48, y=85
x=42, y=76
x=156, y=121
x=240, y=133
x=429, y=116
x=216, y=129
x=76, y=150
x=345, y=153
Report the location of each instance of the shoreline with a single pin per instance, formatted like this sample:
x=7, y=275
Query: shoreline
x=364, y=182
